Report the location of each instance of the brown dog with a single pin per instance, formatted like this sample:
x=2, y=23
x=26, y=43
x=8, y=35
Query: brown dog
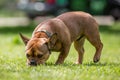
x=58, y=34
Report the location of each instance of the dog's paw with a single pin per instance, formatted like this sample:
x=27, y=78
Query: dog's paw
x=58, y=63
x=96, y=60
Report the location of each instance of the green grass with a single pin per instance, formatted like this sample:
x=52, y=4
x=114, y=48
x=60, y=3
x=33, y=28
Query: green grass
x=9, y=13
x=13, y=61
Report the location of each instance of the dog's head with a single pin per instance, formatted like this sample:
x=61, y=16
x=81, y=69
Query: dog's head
x=38, y=49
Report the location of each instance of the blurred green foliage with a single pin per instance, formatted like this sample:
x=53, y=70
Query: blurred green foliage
x=9, y=8
x=5, y=2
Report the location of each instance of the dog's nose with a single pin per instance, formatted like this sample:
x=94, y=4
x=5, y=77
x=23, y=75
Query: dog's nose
x=33, y=63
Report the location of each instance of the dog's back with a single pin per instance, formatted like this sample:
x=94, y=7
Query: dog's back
x=78, y=22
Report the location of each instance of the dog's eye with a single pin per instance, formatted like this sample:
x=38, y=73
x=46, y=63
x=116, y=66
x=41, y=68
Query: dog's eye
x=27, y=55
x=39, y=55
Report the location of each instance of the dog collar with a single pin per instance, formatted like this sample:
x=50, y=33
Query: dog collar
x=46, y=32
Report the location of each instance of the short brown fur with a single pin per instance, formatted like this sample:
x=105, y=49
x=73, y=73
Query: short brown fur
x=66, y=28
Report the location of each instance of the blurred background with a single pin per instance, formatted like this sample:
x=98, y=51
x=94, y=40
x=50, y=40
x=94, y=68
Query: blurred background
x=22, y=12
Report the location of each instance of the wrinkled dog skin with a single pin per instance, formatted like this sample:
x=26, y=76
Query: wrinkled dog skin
x=57, y=34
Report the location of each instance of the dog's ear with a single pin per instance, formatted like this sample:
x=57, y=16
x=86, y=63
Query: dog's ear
x=25, y=39
x=52, y=40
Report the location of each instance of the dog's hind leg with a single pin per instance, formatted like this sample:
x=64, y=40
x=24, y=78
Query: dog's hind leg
x=78, y=44
x=93, y=37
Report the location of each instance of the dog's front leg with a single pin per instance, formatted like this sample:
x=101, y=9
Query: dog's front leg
x=63, y=54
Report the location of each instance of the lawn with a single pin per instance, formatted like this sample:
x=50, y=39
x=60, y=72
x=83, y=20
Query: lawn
x=13, y=61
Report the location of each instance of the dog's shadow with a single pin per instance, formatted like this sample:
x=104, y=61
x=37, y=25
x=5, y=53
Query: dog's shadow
x=102, y=64
x=91, y=64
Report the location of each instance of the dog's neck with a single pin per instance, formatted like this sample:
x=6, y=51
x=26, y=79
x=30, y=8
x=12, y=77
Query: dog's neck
x=42, y=34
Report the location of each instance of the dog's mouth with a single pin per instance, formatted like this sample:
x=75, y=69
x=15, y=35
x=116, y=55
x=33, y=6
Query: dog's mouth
x=35, y=63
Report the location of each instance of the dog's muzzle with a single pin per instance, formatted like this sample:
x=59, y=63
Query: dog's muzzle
x=33, y=63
